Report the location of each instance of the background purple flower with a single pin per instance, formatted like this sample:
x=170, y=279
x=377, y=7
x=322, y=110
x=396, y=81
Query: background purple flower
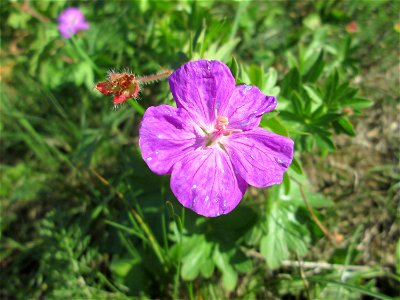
x=71, y=21
x=211, y=143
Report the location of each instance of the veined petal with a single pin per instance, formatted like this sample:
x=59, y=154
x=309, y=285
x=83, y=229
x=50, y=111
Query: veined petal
x=260, y=157
x=246, y=107
x=201, y=87
x=206, y=183
x=167, y=134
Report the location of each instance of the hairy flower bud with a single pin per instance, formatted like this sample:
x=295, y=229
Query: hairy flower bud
x=125, y=85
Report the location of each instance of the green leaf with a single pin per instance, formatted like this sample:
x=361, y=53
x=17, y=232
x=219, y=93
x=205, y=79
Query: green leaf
x=289, y=116
x=274, y=250
x=346, y=126
x=271, y=78
x=234, y=67
x=323, y=138
x=297, y=237
x=330, y=87
x=318, y=112
x=291, y=82
x=275, y=125
x=297, y=103
x=344, y=92
x=242, y=263
x=296, y=166
x=18, y=20
x=207, y=268
x=256, y=76
x=358, y=103
x=326, y=119
x=121, y=267
x=220, y=51
x=316, y=69
x=314, y=94
x=273, y=247
x=286, y=183
x=355, y=288
x=195, y=251
x=229, y=275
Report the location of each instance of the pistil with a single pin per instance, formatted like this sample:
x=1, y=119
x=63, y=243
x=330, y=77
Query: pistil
x=220, y=131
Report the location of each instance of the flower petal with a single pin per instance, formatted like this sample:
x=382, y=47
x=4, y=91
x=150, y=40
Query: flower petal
x=206, y=183
x=167, y=134
x=131, y=92
x=120, y=97
x=83, y=25
x=104, y=87
x=65, y=30
x=259, y=156
x=246, y=107
x=201, y=87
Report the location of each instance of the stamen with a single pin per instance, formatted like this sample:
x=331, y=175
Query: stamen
x=220, y=132
x=222, y=122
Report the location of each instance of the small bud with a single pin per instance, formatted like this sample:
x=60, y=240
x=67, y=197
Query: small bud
x=347, y=111
x=351, y=27
x=397, y=27
x=122, y=85
x=125, y=85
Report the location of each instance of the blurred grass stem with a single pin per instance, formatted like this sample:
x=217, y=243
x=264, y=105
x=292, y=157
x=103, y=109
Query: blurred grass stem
x=137, y=217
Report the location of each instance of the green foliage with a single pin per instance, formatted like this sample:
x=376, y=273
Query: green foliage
x=83, y=217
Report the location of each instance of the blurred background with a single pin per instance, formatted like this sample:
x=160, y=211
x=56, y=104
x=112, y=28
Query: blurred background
x=82, y=217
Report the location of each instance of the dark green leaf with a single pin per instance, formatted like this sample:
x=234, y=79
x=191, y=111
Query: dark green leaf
x=324, y=120
x=357, y=103
x=331, y=86
x=323, y=138
x=291, y=82
x=276, y=126
x=346, y=126
x=286, y=183
x=256, y=76
x=296, y=166
x=314, y=94
x=297, y=102
x=234, y=67
x=318, y=112
x=289, y=116
x=316, y=69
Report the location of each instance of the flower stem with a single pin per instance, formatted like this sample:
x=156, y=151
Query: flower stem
x=139, y=109
x=154, y=77
x=313, y=216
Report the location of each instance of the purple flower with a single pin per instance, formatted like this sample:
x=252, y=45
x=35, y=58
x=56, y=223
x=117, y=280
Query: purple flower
x=71, y=21
x=211, y=143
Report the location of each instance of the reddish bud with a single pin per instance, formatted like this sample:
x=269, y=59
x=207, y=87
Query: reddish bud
x=131, y=92
x=347, y=111
x=104, y=88
x=351, y=27
x=122, y=85
x=397, y=27
x=125, y=85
